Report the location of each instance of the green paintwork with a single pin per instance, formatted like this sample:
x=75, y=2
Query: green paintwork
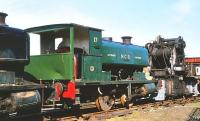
x=95, y=42
x=118, y=53
x=91, y=69
x=51, y=66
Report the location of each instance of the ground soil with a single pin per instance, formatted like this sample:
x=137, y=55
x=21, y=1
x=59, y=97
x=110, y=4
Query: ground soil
x=172, y=113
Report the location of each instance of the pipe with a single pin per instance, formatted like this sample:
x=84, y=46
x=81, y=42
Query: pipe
x=99, y=91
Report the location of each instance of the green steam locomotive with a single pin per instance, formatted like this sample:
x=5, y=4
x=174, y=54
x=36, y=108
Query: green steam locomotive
x=88, y=69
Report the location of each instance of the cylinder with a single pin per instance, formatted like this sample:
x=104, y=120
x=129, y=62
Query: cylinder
x=147, y=89
x=25, y=100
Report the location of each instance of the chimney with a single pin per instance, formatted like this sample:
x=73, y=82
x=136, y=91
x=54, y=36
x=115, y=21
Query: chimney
x=2, y=19
x=126, y=40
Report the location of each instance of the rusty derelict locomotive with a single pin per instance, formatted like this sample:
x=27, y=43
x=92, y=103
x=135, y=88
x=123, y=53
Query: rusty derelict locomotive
x=167, y=66
x=17, y=95
x=88, y=69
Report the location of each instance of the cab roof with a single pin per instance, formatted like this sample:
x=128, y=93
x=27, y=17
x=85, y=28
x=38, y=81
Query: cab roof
x=56, y=27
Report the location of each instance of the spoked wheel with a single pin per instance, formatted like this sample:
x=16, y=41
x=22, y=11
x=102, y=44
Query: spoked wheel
x=105, y=103
x=123, y=100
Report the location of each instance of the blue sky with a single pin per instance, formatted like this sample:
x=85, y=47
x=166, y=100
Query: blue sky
x=141, y=19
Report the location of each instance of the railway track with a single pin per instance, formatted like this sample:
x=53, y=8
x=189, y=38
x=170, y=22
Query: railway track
x=92, y=114
x=95, y=115
x=195, y=115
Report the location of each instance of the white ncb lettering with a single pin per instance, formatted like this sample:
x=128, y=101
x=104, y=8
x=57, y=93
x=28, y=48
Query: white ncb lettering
x=125, y=57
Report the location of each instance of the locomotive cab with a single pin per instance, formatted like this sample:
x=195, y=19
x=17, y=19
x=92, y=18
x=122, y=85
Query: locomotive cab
x=74, y=44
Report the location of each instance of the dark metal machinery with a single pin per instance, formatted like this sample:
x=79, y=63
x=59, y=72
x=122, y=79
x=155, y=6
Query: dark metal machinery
x=167, y=64
x=167, y=56
x=16, y=93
